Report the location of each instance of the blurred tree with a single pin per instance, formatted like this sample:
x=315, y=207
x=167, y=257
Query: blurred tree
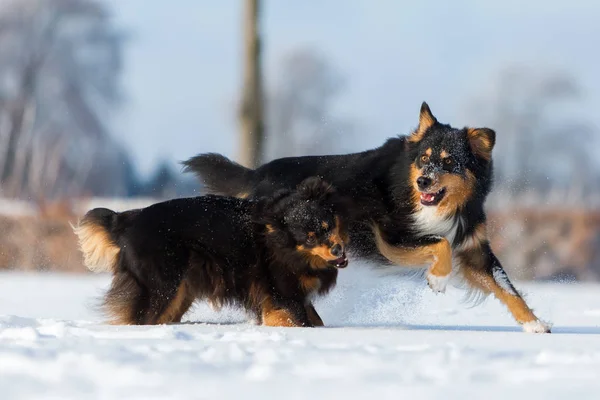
x=162, y=183
x=165, y=183
x=251, y=110
x=302, y=118
x=59, y=67
x=542, y=138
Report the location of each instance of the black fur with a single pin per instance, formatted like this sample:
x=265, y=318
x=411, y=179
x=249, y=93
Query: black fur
x=229, y=251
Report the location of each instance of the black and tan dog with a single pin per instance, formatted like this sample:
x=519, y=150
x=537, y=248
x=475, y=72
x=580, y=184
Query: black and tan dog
x=416, y=200
x=271, y=256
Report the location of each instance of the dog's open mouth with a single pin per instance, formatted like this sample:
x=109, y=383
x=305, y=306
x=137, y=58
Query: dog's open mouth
x=432, y=199
x=341, y=262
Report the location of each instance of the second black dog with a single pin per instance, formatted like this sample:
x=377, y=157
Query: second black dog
x=269, y=256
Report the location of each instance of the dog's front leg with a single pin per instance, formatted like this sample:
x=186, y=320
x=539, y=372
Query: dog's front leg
x=287, y=314
x=433, y=250
x=313, y=316
x=483, y=271
x=440, y=271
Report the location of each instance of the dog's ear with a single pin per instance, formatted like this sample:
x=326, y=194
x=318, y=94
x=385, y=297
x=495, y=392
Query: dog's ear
x=269, y=210
x=482, y=142
x=426, y=121
x=314, y=188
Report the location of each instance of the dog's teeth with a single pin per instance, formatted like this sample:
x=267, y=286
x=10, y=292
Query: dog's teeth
x=427, y=196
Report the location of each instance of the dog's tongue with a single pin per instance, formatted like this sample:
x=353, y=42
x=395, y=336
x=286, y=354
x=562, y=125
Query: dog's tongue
x=427, y=196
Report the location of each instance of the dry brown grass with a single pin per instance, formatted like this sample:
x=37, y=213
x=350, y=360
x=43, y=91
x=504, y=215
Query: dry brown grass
x=41, y=243
x=543, y=243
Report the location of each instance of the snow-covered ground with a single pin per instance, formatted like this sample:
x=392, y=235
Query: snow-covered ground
x=386, y=338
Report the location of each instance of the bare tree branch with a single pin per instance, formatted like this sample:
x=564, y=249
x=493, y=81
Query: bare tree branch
x=60, y=58
x=302, y=117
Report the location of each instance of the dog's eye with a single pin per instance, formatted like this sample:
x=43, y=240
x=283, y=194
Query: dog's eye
x=311, y=240
x=424, y=158
x=448, y=161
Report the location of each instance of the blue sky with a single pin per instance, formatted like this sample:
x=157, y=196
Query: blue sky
x=182, y=66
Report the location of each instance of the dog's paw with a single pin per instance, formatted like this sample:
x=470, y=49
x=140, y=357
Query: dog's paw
x=438, y=283
x=537, y=326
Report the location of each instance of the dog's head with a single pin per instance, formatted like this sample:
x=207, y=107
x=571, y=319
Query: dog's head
x=308, y=220
x=448, y=164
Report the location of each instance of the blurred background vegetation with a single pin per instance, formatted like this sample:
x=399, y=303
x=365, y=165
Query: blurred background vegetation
x=100, y=100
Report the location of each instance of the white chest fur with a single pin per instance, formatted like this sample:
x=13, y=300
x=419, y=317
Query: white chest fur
x=427, y=221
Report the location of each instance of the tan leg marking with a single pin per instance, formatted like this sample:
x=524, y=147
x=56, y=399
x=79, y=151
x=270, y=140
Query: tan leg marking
x=277, y=317
x=439, y=255
x=174, y=308
x=515, y=303
x=187, y=302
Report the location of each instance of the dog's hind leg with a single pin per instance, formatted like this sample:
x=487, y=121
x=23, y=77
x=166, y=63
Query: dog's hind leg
x=170, y=305
x=482, y=270
x=125, y=301
x=186, y=302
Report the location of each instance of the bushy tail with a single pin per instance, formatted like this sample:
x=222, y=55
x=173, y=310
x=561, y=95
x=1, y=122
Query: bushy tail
x=96, y=242
x=220, y=175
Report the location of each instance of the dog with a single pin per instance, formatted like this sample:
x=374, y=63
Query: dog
x=416, y=200
x=271, y=256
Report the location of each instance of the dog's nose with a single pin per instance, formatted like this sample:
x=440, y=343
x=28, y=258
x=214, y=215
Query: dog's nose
x=423, y=182
x=337, y=250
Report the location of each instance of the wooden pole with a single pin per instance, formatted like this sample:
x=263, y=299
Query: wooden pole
x=251, y=112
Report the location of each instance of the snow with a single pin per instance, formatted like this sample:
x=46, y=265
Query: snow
x=386, y=338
